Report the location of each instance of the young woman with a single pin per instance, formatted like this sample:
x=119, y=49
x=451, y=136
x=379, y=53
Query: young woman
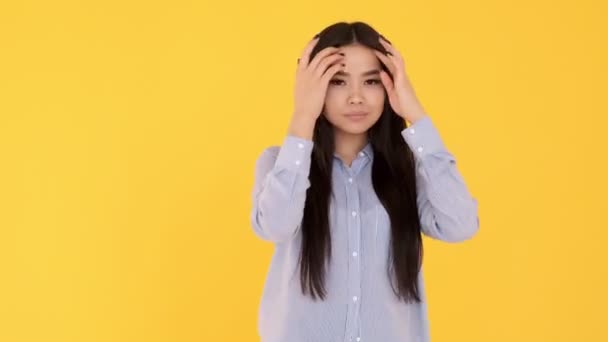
x=348, y=194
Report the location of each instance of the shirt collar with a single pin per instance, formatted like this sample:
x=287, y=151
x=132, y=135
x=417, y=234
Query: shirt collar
x=367, y=151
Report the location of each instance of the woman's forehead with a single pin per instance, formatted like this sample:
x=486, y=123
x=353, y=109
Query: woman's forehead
x=355, y=48
x=359, y=58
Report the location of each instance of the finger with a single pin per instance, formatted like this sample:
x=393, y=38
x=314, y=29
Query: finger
x=326, y=62
x=387, y=45
x=390, y=48
x=321, y=55
x=386, y=40
x=305, y=55
x=390, y=64
x=394, y=61
x=330, y=72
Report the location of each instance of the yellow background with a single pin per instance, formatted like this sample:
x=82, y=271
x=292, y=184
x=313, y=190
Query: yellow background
x=129, y=133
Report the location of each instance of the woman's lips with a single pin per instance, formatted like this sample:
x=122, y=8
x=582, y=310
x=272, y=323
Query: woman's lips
x=356, y=116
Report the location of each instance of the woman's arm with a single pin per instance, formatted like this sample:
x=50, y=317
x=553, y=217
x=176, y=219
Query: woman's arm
x=279, y=191
x=447, y=210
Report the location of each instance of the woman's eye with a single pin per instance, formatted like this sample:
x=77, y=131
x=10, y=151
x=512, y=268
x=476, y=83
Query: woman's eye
x=374, y=81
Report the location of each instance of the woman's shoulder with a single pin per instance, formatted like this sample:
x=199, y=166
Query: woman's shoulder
x=268, y=155
x=271, y=151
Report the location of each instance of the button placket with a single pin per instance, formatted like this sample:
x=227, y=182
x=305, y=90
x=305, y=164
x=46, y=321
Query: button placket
x=353, y=332
x=355, y=240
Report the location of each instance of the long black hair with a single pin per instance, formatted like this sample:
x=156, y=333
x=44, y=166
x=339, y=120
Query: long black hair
x=393, y=179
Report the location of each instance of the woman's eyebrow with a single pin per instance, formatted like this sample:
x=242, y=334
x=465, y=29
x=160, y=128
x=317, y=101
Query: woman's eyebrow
x=367, y=73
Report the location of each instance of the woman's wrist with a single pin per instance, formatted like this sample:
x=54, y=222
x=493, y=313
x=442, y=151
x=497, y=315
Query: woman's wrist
x=302, y=127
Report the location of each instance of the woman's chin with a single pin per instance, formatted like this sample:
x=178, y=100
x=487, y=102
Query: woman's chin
x=354, y=128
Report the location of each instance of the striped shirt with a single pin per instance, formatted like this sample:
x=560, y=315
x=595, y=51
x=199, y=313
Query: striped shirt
x=360, y=304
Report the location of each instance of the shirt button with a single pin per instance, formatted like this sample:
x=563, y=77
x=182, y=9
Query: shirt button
x=350, y=180
x=420, y=149
x=354, y=254
x=354, y=298
x=297, y=162
x=354, y=213
x=412, y=131
x=361, y=154
x=300, y=145
x=358, y=338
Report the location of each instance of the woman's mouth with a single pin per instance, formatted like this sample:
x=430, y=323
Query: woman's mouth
x=358, y=116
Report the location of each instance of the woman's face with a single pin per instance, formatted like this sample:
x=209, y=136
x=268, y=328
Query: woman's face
x=356, y=89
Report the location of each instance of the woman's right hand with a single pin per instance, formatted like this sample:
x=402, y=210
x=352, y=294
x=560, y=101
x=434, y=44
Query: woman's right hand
x=312, y=80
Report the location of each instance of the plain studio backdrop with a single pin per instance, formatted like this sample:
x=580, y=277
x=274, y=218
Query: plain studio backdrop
x=129, y=133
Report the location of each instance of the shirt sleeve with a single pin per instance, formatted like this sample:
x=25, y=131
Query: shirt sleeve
x=279, y=191
x=447, y=210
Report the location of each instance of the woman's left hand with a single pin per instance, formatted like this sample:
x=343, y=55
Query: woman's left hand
x=400, y=92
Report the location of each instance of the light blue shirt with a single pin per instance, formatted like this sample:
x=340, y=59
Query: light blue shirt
x=360, y=304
